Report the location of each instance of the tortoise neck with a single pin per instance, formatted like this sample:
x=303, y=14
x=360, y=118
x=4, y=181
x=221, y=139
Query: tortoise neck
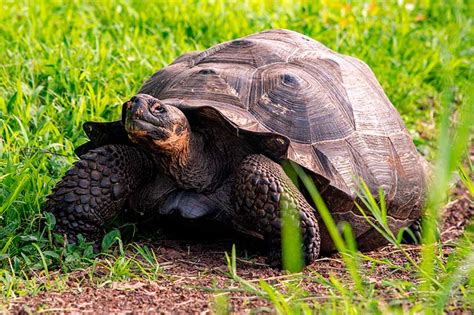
x=196, y=167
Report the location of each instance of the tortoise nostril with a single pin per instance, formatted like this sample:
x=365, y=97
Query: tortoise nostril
x=135, y=107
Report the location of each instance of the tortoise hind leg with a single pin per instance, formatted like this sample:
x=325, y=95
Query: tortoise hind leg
x=95, y=189
x=412, y=234
x=262, y=191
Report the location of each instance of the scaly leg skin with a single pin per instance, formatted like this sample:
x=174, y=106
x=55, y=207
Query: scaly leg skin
x=262, y=190
x=95, y=189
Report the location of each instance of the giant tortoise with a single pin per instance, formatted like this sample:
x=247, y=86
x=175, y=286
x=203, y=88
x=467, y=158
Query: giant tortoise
x=206, y=137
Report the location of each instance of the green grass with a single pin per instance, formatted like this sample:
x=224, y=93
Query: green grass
x=65, y=63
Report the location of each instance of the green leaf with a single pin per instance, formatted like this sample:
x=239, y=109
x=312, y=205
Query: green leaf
x=109, y=239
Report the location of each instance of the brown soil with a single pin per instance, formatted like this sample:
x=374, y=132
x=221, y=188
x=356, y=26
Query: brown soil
x=194, y=273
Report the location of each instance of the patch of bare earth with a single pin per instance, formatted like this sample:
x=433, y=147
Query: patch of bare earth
x=193, y=273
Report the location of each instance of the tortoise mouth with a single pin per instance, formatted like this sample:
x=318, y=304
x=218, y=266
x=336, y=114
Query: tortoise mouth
x=138, y=125
x=141, y=128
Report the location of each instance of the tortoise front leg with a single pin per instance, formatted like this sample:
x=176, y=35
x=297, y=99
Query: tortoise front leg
x=262, y=191
x=95, y=189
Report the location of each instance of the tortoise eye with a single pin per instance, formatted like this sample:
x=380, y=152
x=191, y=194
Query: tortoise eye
x=157, y=108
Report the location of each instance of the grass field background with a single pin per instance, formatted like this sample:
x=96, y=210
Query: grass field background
x=64, y=63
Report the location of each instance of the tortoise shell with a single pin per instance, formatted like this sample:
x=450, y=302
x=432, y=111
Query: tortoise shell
x=328, y=110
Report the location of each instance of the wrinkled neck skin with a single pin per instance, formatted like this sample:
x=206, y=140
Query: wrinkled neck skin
x=197, y=166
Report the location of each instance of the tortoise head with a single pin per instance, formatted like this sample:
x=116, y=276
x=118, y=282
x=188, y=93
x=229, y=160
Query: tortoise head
x=161, y=127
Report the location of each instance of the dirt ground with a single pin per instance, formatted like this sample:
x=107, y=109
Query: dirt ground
x=195, y=272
